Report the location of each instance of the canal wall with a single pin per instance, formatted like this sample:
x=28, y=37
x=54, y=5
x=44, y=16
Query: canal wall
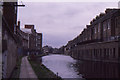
x=100, y=51
x=9, y=52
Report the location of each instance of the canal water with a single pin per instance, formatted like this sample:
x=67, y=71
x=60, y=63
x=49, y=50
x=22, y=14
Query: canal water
x=67, y=67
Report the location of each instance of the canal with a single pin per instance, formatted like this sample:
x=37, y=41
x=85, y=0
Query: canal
x=67, y=67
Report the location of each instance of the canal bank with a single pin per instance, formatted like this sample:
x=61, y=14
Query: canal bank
x=42, y=71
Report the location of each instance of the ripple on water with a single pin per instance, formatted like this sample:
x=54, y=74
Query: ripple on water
x=61, y=64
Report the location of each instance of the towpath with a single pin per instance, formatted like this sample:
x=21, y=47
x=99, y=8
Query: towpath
x=26, y=70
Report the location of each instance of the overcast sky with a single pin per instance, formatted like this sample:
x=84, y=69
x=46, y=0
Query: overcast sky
x=60, y=21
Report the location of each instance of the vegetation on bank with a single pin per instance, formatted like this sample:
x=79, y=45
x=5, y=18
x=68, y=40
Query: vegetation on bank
x=41, y=55
x=16, y=71
x=41, y=71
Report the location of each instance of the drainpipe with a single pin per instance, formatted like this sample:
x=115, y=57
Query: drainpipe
x=119, y=49
x=28, y=44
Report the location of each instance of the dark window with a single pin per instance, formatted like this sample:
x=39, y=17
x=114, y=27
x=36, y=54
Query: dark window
x=109, y=25
x=94, y=52
x=113, y=52
x=4, y=45
x=100, y=52
x=119, y=52
x=117, y=22
x=107, y=52
x=104, y=52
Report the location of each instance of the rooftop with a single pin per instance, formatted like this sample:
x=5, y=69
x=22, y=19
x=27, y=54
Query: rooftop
x=26, y=30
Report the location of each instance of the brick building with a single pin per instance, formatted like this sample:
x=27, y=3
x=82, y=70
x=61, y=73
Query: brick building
x=31, y=40
x=32, y=36
x=99, y=41
x=24, y=40
x=39, y=41
x=9, y=54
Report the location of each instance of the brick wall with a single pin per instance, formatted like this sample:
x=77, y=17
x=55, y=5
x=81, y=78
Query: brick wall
x=107, y=51
x=100, y=36
x=11, y=54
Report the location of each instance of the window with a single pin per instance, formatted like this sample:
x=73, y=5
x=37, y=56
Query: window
x=15, y=10
x=100, y=52
x=1, y=8
x=94, y=53
x=95, y=28
x=113, y=52
x=108, y=24
x=104, y=52
x=108, y=53
x=104, y=26
x=119, y=52
x=4, y=47
x=117, y=22
x=99, y=27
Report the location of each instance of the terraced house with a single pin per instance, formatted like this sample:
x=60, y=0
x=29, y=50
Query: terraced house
x=15, y=42
x=99, y=41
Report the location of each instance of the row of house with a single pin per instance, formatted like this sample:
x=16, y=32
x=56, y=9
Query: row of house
x=99, y=41
x=50, y=50
x=16, y=42
x=31, y=40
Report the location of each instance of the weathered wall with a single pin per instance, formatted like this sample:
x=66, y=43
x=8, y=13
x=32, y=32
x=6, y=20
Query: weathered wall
x=99, y=41
x=10, y=54
x=101, y=51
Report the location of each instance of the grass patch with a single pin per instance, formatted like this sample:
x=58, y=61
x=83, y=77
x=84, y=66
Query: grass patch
x=16, y=71
x=43, y=72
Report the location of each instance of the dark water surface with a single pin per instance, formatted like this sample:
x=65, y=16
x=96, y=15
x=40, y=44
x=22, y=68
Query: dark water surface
x=91, y=69
x=67, y=67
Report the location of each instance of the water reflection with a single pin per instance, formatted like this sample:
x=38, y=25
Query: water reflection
x=61, y=64
x=91, y=69
x=67, y=67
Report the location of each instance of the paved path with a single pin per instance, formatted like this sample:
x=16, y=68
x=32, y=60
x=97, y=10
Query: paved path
x=26, y=70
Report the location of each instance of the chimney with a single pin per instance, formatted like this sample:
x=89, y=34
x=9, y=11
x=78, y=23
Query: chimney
x=91, y=22
x=97, y=17
x=19, y=24
x=101, y=14
x=94, y=20
x=29, y=26
x=108, y=10
x=87, y=26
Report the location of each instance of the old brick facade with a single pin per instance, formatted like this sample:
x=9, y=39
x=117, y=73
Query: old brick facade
x=39, y=41
x=24, y=40
x=10, y=41
x=31, y=40
x=99, y=40
x=15, y=42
